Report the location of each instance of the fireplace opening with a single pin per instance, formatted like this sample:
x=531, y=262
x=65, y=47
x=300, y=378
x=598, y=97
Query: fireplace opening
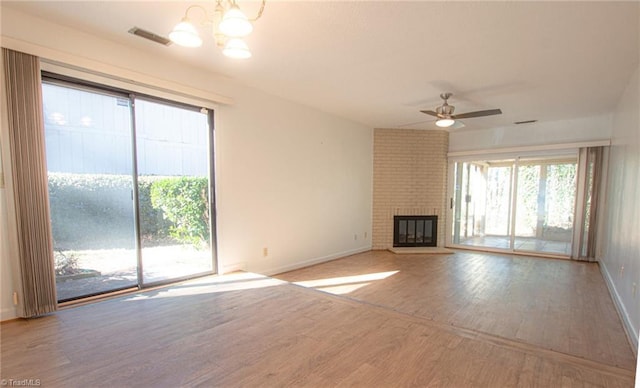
x=415, y=231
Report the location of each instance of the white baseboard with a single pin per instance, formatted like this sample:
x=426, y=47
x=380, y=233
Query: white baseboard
x=234, y=267
x=316, y=260
x=8, y=313
x=632, y=332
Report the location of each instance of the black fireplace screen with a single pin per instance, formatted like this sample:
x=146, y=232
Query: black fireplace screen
x=415, y=231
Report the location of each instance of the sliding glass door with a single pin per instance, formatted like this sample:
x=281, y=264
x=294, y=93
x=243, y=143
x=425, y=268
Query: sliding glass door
x=519, y=204
x=482, y=203
x=545, y=205
x=172, y=149
x=129, y=187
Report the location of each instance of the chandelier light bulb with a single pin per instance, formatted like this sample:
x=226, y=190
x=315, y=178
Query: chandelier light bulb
x=229, y=25
x=185, y=34
x=235, y=23
x=236, y=48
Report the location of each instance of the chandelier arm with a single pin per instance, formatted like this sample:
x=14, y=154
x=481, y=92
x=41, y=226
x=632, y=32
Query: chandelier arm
x=259, y=12
x=201, y=8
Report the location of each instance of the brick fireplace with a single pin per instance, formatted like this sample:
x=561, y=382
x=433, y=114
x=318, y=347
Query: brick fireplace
x=409, y=179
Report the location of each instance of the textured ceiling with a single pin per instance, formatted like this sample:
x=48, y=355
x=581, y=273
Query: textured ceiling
x=380, y=63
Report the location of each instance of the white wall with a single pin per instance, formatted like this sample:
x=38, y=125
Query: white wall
x=292, y=180
x=620, y=260
x=541, y=133
x=289, y=178
x=7, y=310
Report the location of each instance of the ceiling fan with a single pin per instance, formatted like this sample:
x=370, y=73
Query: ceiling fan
x=445, y=115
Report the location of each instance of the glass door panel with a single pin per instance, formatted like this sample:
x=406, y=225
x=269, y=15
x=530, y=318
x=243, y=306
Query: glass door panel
x=498, y=205
x=173, y=169
x=546, y=191
x=527, y=206
x=89, y=162
x=481, y=204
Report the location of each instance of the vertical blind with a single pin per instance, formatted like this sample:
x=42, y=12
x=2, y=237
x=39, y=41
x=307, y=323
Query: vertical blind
x=593, y=176
x=30, y=186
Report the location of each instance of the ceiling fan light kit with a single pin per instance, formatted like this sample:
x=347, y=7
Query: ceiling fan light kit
x=445, y=123
x=445, y=115
x=229, y=23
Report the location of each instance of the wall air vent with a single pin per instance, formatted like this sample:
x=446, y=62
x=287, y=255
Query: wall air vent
x=525, y=122
x=150, y=36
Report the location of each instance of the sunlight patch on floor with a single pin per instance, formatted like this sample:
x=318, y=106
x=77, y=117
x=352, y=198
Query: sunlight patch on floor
x=345, y=284
x=212, y=284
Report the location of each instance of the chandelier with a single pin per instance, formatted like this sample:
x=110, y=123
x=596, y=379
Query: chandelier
x=229, y=26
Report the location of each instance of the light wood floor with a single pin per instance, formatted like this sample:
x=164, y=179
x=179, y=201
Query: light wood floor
x=249, y=330
x=560, y=305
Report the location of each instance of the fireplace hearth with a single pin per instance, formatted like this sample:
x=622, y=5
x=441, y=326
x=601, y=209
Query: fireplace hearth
x=415, y=231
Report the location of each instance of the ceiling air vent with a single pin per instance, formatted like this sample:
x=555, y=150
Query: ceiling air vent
x=525, y=122
x=150, y=36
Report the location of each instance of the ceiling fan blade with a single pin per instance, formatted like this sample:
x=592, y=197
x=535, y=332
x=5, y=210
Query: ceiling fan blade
x=429, y=112
x=480, y=113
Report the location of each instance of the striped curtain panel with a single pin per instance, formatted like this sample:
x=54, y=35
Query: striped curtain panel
x=30, y=184
x=591, y=175
x=594, y=167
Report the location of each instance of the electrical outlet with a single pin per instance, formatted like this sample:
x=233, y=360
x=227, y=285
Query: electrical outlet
x=634, y=288
x=365, y=235
x=15, y=298
x=621, y=270
x=355, y=236
x=265, y=251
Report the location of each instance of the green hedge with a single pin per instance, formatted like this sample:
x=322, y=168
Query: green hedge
x=96, y=210
x=184, y=202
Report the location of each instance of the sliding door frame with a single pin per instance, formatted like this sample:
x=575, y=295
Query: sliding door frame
x=135, y=191
x=513, y=206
